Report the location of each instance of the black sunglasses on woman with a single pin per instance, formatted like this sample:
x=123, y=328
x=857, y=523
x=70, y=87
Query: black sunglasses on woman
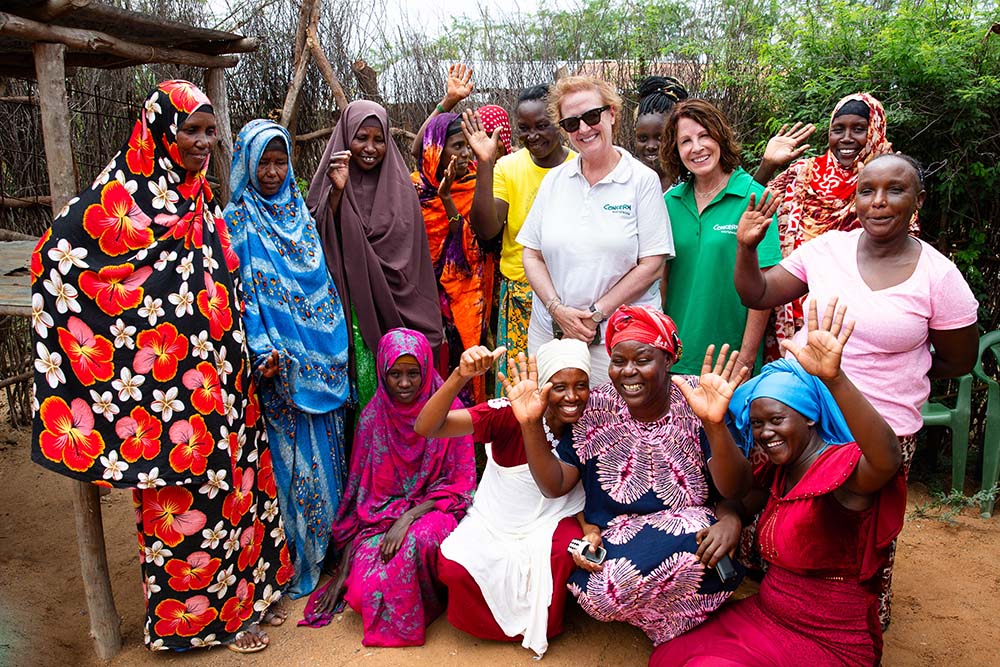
x=591, y=118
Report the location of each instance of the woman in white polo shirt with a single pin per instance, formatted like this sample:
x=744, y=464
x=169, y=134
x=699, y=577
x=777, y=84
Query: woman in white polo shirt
x=598, y=234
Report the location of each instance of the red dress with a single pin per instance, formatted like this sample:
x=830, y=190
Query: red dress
x=818, y=602
x=494, y=422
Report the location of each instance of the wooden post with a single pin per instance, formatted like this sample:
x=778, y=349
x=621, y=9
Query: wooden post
x=215, y=88
x=105, y=625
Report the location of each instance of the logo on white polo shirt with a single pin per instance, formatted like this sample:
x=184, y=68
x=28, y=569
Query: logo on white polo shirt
x=621, y=209
x=726, y=229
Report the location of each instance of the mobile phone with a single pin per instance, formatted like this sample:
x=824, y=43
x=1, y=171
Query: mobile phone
x=557, y=331
x=725, y=569
x=585, y=549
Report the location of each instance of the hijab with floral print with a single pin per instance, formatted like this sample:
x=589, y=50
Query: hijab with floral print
x=141, y=377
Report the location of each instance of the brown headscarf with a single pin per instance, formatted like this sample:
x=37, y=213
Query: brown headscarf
x=375, y=244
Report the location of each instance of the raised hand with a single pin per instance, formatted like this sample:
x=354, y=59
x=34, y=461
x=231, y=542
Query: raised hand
x=477, y=360
x=444, y=187
x=821, y=354
x=458, y=85
x=710, y=399
x=756, y=219
x=786, y=145
x=338, y=170
x=483, y=145
x=527, y=401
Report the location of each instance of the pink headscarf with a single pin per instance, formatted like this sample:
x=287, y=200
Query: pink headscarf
x=494, y=117
x=393, y=469
x=645, y=325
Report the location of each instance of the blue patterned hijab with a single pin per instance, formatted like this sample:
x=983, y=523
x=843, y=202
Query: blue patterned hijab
x=786, y=381
x=290, y=302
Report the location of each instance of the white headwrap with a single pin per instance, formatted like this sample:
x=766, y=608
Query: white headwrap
x=558, y=354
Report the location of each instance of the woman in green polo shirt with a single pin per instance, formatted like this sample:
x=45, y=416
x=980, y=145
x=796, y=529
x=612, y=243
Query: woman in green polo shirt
x=699, y=148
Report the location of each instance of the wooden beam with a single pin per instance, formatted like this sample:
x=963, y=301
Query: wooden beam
x=53, y=9
x=367, y=79
x=222, y=154
x=105, y=625
x=90, y=40
x=20, y=99
x=25, y=202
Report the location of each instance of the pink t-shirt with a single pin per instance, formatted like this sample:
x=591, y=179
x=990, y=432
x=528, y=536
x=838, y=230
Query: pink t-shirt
x=889, y=353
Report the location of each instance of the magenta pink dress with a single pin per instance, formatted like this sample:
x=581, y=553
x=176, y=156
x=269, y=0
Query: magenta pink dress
x=818, y=603
x=392, y=471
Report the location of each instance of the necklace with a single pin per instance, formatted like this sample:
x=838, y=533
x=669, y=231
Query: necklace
x=548, y=434
x=711, y=192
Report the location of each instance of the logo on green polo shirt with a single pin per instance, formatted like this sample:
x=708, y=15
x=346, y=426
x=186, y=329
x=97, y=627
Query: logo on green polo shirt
x=726, y=229
x=622, y=209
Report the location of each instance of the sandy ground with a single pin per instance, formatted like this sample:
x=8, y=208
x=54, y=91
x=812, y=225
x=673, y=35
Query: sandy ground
x=947, y=597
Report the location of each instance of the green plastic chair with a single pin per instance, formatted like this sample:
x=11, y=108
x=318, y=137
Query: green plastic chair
x=957, y=421
x=991, y=437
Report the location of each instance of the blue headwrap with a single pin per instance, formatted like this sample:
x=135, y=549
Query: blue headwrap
x=786, y=381
x=290, y=302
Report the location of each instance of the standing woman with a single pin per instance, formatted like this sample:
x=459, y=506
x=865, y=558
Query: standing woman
x=405, y=494
x=598, y=232
x=817, y=193
x=143, y=379
x=373, y=236
x=505, y=190
x=446, y=180
x=699, y=148
x=916, y=316
x=298, y=341
x=657, y=96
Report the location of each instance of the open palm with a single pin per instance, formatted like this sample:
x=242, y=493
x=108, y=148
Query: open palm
x=710, y=399
x=825, y=341
x=521, y=387
x=756, y=219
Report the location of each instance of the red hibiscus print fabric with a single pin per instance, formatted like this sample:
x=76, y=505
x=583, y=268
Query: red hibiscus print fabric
x=142, y=380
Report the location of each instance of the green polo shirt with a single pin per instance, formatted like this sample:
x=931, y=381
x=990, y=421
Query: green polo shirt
x=701, y=297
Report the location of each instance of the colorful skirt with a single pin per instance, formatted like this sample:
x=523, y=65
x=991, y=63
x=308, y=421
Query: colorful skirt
x=512, y=323
x=213, y=557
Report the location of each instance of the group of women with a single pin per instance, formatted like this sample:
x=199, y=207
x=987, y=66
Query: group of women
x=283, y=328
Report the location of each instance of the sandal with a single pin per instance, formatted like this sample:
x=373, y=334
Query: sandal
x=232, y=646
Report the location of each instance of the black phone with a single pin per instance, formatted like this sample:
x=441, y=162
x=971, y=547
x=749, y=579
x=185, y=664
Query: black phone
x=557, y=333
x=725, y=569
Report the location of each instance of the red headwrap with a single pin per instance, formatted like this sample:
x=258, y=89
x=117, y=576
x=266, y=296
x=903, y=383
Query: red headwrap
x=645, y=325
x=494, y=117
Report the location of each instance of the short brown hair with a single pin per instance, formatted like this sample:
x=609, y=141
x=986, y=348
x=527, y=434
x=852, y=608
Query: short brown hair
x=574, y=84
x=714, y=121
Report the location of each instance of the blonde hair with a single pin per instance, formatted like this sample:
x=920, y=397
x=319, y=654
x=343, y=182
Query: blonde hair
x=574, y=84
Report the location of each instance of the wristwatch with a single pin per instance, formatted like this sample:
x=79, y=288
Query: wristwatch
x=596, y=314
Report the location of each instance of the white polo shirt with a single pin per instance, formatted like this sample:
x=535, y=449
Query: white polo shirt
x=591, y=236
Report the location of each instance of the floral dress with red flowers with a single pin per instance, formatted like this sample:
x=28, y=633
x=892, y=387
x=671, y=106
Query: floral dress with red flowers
x=142, y=381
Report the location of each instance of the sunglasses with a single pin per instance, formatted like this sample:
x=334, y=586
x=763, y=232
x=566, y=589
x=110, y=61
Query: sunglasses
x=591, y=118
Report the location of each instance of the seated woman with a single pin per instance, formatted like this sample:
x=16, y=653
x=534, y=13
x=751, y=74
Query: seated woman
x=297, y=336
x=445, y=181
x=373, y=236
x=404, y=495
x=834, y=504
x=657, y=96
x=916, y=315
x=506, y=564
x=638, y=449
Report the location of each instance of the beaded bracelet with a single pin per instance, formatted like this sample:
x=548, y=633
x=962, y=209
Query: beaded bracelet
x=440, y=108
x=554, y=300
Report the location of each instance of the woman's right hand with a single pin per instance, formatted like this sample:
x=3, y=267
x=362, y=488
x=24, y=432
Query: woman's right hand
x=786, y=146
x=575, y=323
x=458, y=86
x=756, y=219
x=447, y=178
x=483, y=144
x=338, y=170
x=520, y=385
x=328, y=600
x=821, y=354
x=478, y=360
x=591, y=534
x=269, y=368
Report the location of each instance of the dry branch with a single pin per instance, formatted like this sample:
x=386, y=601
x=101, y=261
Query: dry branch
x=20, y=99
x=90, y=40
x=25, y=202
